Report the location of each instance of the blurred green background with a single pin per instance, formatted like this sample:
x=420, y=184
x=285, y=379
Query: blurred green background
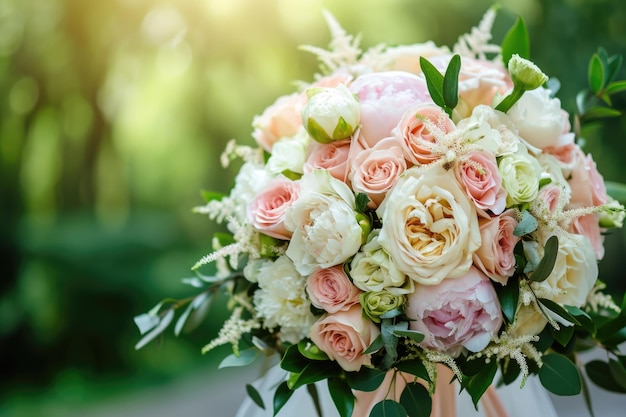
x=113, y=114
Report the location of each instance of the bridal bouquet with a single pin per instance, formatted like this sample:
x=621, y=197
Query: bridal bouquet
x=416, y=207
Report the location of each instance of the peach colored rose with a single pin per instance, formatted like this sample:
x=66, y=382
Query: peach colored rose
x=548, y=201
x=495, y=256
x=418, y=130
x=589, y=226
x=384, y=97
x=266, y=212
x=456, y=313
x=281, y=119
x=344, y=336
x=587, y=184
x=330, y=289
x=478, y=173
x=332, y=157
x=374, y=171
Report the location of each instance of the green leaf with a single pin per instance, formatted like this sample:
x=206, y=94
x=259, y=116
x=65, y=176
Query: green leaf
x=416, y=336
x=312, y=389
x=450, y=84
x=614, y=63
x=414, y=367
x=508, y=295
x=209, y=196
x=600, y=373
x=476, y=385
x=596, y=74
x=388, y=408
x=292, y=360
x=390, y=340
x=545, y=266
x=316, y=371
x=361, y=200
x=528, y=224
x=586, y=322
x=510, y=371
x=516, y=41
x=416, y=400
x=616, y=190
x=600, y=113
x=563, y=335
x=586, y=395
x=376, y=345
x=145, y=322
x=342, y=396
x=197, y=302
x=281, y=396
x=434, y=81
x=245, y=357
x=255, y=396
x=618, y=372
x=366, y=379
x=616, y=87
x=309, y=350
x=163, y=323
x=559, y=375
x=558, y=310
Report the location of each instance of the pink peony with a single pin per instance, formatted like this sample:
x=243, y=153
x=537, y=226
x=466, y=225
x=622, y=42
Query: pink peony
x=281, y=119
x=344, y=336
x=589, y=226
x=330, y=289
x=478, y=173
x=266, y=212
x=586, y=182
x=495, y=256
x=384, y=97
x=456, y=313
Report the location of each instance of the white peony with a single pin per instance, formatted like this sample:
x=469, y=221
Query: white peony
x=281, y=299
x=288, y=154
x=323, y=221
x=489, y=130
x=430, y=227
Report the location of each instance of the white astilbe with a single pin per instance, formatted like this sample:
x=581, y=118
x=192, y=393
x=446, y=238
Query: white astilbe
x=434, y=357
x=476, y=43
x=231, y=332
x=518, y=348
x=597, y=300
x=343, y=51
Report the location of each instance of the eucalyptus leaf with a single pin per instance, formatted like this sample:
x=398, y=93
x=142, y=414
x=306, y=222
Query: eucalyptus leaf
x=416, y=336
x=558, y=310
x=342, y=396
x=559, y=375
x=416, y=400
x=596, y=73
x=245, y=357
x=434, y=81
x=255, y=396
x=528, y=224
x=545, y=266
x=163, y=323
x=197, y=316
x=516, y=41
x=145, y=322
x=195, y=303
x=388, y=408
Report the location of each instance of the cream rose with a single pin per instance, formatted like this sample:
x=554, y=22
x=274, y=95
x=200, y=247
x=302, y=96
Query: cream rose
x=456, y=313
x=266, y=212
x=344, y=336
x=330, y=289
x=323, y=222
x=520, y=174
x=430, y=228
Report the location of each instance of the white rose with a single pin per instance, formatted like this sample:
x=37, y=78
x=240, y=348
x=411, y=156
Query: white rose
x=372, y=270
x=540, y=120
x=520, y=174
x=323, y=221
x=574, y=274
x=288, y=154
x=430, y=227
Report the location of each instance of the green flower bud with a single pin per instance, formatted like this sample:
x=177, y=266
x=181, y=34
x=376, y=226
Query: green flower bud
x=612, y=214
x=377, y=303
x=366, y=226
x=331, y=114
x=525, y=74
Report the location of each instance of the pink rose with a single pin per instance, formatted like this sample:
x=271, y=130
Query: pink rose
x=267, y=210
x=478, y=173
x=332, y=157
x=417, y=131
x=456, y=313
x=589, y=226
x=375, y=170
x=549, y=199
x=384, y=97
x=330, y=289
x=587, y=184
x=281, y=119
x=344, y=336
x=495, y=256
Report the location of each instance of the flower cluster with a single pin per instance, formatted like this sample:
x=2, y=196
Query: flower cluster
x=415, y=203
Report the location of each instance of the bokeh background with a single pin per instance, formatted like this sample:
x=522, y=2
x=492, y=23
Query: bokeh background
x=113, y=114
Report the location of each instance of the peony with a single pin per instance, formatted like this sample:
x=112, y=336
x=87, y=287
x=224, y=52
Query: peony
x=589, y=226
x=266, y=213
x=495, y=256
x=384, y=97
x=586, y=182
x=288, y=154
x=330, y=289
x=478, y=173
x=540, y=120
x=330, y=113
x=430, y=228
x=371, y=269
x=332, y=157
x=419, y=131
x=281, y=119
x=374, y=171
x=323, y=222
x=344, y=336
x=281, y=299
x=489, y=130
x=456, y=313
x=520, y=174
